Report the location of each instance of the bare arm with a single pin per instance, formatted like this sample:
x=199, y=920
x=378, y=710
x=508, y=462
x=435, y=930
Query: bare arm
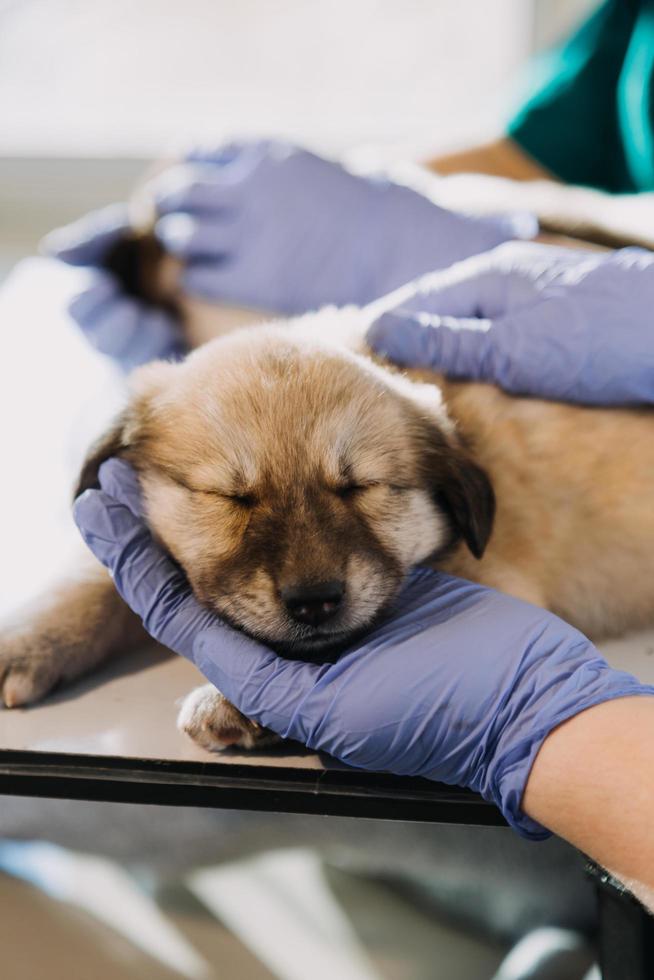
x=593, y=784
x=500, y=158
x=500, y=176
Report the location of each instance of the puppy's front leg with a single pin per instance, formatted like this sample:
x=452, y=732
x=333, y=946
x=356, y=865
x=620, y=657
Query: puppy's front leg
x=210, y=720
x=64, y=634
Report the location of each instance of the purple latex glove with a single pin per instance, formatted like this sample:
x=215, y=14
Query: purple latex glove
x=461, y=685
x=271, y=227
x=129, y=331
x=536, y=320
x=277, y=228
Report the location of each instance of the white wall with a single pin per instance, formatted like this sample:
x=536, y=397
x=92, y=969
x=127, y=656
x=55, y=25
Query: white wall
x=91, y=89
x=125, y=77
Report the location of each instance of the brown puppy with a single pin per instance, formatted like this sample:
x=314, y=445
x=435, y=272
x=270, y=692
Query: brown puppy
x=269, y=439
x=287, y=474
x=297, y=482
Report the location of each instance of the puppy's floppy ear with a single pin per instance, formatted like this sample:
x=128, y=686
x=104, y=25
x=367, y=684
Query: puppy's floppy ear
x=464, y=490
x=110, y=444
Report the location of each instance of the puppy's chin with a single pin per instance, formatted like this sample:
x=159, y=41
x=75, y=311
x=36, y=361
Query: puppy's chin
x=321, y=648
x=315, y=648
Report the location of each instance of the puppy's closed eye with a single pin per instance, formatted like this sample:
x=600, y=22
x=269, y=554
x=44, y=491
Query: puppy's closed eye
x=296, y=478
x=232, y=492
x=245, y=499
x=348, y=490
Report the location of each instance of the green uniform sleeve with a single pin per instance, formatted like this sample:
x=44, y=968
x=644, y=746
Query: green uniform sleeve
x=588, y=116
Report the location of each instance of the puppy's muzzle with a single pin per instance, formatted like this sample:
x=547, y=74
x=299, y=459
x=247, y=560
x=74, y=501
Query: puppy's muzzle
x=313, y=604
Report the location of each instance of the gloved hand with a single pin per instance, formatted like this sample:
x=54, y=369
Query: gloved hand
x=129, y=331
x=534, y=319
x=274, y=227
x=461, y=685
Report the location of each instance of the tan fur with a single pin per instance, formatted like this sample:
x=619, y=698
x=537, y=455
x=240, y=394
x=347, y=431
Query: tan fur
x=574, y=527
x=64, y=634
x=274, y=416
x=283, y=417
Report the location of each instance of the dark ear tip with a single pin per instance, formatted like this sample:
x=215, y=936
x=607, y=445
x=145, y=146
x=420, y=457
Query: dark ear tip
x=110, y=444
x=477, y=550
x=465, y=491
x=88, y=479
x=482, y=513
x=125, y=260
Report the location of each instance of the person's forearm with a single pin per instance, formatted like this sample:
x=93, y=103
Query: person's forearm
x=593, y=784
x=505, y=178
x=499, y=158
x=496, y=177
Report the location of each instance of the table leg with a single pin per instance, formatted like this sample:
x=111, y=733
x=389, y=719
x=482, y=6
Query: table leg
x=626, y=931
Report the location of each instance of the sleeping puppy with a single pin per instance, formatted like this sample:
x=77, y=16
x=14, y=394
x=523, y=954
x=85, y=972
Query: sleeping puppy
x=297, y=481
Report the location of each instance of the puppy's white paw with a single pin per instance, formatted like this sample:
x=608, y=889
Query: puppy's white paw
x=29, y=667
x=215, y=724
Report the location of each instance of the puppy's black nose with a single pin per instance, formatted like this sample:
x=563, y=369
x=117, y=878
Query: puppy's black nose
x=313, y=604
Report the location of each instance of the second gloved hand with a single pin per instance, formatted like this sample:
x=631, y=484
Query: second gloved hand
x=121, y=326
x=461, y=684
x=536, y=320
x=277, y=228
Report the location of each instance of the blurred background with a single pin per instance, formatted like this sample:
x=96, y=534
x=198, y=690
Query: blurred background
x=90, y=92
x=91, y=89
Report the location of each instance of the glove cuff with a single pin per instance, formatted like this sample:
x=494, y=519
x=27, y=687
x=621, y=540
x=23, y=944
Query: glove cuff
x=507, y=782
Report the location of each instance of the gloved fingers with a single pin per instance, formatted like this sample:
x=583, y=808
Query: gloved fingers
x=522, y=352
x=197, y=188
x=109, y=528
x=226, y=280
x=264, y=686
x=214, y=280
x=120, y=326
x=521, y=225
x=237, y=151
x=460, y=347
x=301, y=700
x=443, y=320
x=87, y=240
x=471, y=288
x=532, y=356
x=119, y=480
x=98, y=288
x=258, y=682
x=239, y=159
x=218, y=154
x=190, y=236
x=148, y=580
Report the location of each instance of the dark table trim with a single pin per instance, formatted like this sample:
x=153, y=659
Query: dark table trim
x=332, y=792
x=626, y=930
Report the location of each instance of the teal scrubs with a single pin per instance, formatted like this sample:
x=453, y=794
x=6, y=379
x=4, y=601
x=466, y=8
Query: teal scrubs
x=588, y=116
